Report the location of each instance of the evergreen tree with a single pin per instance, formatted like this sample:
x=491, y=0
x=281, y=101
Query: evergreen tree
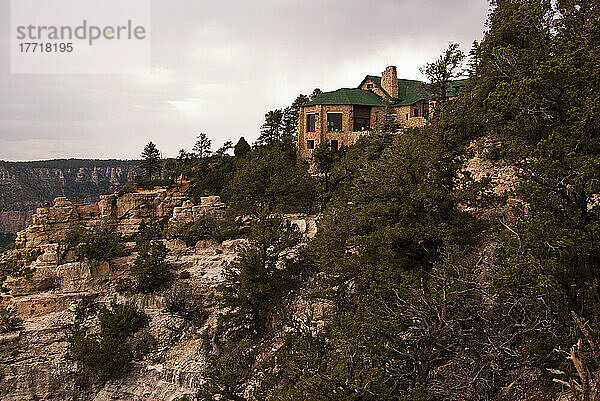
x=256, y=281
x=151, y=162
x=272, y=129
x=442, y=71
x=150, y=269
x=271, y=180
x=202, y=146
x=291, y=115
x=222, y=151
x=241, y=148
x=389, y=124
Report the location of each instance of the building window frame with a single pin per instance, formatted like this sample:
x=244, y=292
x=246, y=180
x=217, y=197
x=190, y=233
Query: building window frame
x=311, y=126
x=416, y=112
x=330, y=124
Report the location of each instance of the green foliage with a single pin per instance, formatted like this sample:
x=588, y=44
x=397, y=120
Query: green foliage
x=9, y=321
x=17, y=263
x=150, y=270
x=121, y=320
x=271, y=131
x=422, y=309
x=443, y=70
x=256, y=282
x=207, y=227
x=388, y=124
x=126, y=189
x=152, y=230
x=105, y=355
x=228, y=371
x=241, y=148
x=537, y=82
x=291, y=115
x=143, y=182
x=202, y=146
x=103, y=358
x=151, y=162
x=281, y=125
x=271, y=180
x=100, y=243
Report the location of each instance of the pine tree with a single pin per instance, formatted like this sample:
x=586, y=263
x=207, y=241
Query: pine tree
x=272, y=129
x=442, y=71
x=291, y=115
x=202, y=146
x=151, y=162
x=241, y=148
x=389, y=123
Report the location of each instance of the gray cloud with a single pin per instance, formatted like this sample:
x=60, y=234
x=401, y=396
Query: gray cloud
x=218, y=67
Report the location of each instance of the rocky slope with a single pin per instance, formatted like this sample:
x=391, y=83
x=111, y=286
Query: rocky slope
x=33, y=360
x=27, y=185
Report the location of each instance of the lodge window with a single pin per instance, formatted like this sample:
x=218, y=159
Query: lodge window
x=426, y=110
x=362, y=124
x=311, y=122
x=416, y=113
x=369, y=86
x=407, y=116
x=334, y=122
x=310, y=144
x=334, y=145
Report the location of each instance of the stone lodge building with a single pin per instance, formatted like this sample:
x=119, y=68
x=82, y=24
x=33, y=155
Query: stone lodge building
x=340, y=117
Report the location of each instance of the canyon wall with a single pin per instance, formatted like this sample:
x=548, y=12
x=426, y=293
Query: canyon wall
x=24, y=186
x=34, y=361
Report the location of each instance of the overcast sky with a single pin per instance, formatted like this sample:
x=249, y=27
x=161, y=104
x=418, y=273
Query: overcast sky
x=217, y=67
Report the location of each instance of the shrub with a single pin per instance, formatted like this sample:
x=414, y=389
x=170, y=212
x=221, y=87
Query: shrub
x=183, y=302
x=9, y=321
x=147, y=232
x=101, y=244
x=150, y=270
x=104, y=358
x=207, y=227
x=121, y=320
x=105, y=355
x=126, y=189
x=18, y=264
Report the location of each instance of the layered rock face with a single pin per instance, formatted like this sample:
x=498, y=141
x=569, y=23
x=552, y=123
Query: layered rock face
x=13, y=221
x=34, y=363
x=27, y=185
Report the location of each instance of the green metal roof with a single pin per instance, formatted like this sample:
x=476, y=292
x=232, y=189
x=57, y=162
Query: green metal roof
x=409, y=92
x=353, y=96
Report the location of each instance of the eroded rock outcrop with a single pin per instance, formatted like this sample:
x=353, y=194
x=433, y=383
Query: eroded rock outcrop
x=34, y=361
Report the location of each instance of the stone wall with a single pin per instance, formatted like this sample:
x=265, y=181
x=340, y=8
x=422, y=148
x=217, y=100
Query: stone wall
x=389, y=81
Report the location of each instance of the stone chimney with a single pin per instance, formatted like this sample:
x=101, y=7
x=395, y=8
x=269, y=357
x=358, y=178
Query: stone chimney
x=389, y=80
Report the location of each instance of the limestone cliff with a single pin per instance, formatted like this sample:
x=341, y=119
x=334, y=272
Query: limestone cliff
x=33, y=359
